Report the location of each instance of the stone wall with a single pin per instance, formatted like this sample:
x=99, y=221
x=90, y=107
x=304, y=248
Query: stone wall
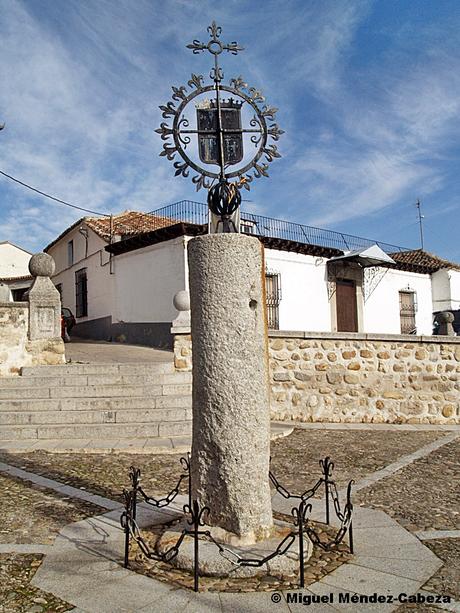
x=339, y=377
x=16, y=349
x=30, y=332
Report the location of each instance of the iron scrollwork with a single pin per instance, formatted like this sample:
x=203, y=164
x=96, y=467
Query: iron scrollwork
x=219, y=129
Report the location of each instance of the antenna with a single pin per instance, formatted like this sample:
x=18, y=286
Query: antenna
x=420, y=217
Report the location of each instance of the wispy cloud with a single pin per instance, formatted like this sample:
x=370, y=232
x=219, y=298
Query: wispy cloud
x=366, y=126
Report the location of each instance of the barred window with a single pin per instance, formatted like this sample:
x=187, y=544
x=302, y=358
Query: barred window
x=407, y=310
x=273, y=294
x=81, y=293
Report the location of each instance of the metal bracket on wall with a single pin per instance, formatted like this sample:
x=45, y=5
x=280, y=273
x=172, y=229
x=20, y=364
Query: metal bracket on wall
x=372, y=276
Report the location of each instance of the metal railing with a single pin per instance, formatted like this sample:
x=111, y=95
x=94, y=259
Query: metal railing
x=191, y=212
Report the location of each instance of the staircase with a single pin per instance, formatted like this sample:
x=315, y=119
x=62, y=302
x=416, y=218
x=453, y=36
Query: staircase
x=96, y=407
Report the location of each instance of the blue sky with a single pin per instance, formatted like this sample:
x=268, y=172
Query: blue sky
x=368, y=94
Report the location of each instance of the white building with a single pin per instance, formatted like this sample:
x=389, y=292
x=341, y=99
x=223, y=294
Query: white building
x=14, y=269
x=119, y=276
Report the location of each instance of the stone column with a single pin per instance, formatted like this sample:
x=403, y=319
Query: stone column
x=44, y=300
x=231, y=412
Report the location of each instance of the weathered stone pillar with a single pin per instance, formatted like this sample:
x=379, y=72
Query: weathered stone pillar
x=44, y=300
x=231, y=412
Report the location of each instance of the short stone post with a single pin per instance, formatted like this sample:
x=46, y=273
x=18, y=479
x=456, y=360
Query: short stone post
x=44, y=300
x=231, y=412
x=445, y=320
x=180, y=329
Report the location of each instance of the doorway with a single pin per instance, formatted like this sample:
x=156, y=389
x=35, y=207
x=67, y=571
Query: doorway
x=347, y=311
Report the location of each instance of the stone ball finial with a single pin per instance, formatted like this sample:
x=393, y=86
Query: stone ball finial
x=181, y=300
x=41, y=265
x=445, y=317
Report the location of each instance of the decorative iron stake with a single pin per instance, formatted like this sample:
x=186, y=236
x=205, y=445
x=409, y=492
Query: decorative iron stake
x=327, y=466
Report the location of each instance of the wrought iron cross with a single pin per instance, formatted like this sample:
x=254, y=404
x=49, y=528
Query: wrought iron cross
x=227, y=128
x=219, y=130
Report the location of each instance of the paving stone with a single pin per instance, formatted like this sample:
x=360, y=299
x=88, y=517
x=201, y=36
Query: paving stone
x=338, y=600
x=251, y=603
x=403, y=568
x=367, y=581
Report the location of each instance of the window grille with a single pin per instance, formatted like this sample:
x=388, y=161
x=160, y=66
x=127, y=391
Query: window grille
x=273, y=297
x=81, y=293
x=407, y=310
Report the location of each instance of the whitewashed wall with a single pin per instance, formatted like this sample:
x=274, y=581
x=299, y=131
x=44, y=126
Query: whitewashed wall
x=146, y=281
x=446, y=290
x=381, y=309
x=14, y=262
x=100, y=281
x=304, y=304
x=455, y=289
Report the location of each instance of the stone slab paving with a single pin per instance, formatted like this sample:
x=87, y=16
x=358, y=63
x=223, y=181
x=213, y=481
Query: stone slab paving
x=84, y=569
x=90, y=351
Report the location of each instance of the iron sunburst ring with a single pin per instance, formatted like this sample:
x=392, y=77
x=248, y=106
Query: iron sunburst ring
x=176, y=135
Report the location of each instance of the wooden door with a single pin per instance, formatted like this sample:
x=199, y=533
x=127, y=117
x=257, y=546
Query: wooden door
x=347, y=312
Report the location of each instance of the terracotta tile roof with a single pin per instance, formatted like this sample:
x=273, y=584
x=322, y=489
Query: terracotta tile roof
x=418, y=260
x=10, y=279
x=127, y=224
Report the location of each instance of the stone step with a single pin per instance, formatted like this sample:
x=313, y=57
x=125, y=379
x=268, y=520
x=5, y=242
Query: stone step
x=96, y=431
x=97, y=404
x=95, y=379
x=146, y=416
x=99, y=369
x=173, y=444
x=95, y=391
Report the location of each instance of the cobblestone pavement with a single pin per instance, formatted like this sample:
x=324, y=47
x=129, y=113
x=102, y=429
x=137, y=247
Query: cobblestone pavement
x=425, y=495
x=103, y=474
x=16, y=593
x=447, y=579
x=295, y=459
x=421, y=496
x=33, y=514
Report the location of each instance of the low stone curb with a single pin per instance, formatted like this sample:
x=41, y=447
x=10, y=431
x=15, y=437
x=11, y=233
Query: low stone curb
x=157, y=445
x=65, y=490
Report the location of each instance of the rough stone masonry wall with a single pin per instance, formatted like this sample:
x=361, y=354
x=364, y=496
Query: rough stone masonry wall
x=335, y=377
x=16, y=349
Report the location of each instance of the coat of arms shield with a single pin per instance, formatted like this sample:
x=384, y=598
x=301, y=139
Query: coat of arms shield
x=207, y=122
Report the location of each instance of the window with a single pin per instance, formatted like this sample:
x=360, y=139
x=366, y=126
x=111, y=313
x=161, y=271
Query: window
x=19, y=294
x=273, y=297
x=81, y=293
x=247, y=226
x=59, y=289
x=70, y=253
x=407, y=310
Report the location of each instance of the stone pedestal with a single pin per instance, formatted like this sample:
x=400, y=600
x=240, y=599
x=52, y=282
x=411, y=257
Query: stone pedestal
x=44, y=300
x=231, y=412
